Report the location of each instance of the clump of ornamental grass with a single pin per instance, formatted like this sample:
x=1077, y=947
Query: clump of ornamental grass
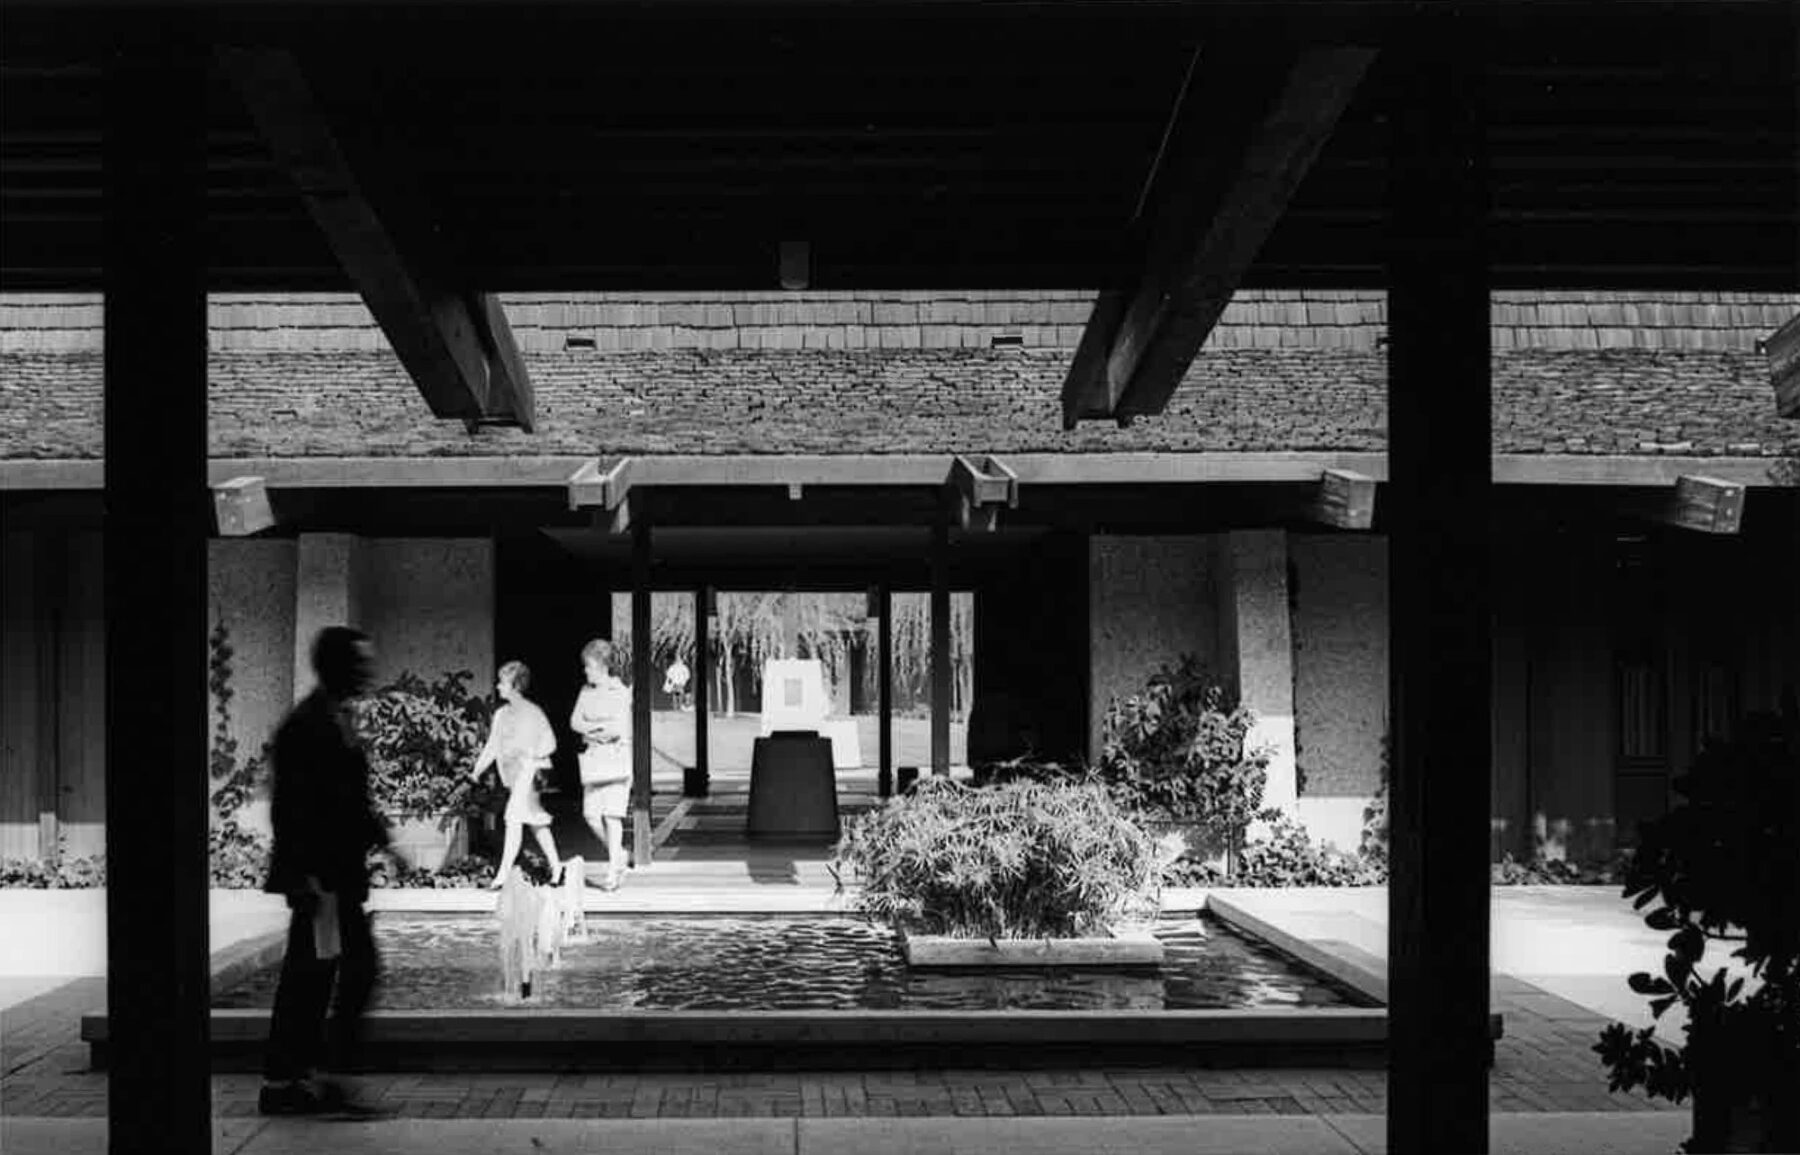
x=1017, y=860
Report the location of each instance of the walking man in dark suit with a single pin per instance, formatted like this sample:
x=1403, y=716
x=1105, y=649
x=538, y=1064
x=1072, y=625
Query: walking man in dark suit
x=324, y=828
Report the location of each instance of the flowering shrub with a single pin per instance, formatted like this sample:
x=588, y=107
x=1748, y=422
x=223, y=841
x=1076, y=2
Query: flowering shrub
x=1177, y=751
x=422, y=738
x=1018, y=860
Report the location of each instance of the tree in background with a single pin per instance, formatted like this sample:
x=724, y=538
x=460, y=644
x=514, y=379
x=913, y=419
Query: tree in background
x=754, y=627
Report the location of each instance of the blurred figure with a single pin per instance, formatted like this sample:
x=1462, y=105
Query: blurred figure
x=324, y=828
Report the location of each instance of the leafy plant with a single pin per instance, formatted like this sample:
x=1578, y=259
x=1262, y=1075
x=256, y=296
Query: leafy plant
x=1027, y=768
x=422, y=738
x=1019, y=860
x=61, y=874
x=1288, y=856
x=1177, y=750
x=1721, y=868
x=1559, y=872
x=467, y=873
x=1374, y=844
x=238, y=856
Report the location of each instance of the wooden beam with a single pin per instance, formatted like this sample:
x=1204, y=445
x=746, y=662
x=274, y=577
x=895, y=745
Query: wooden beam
x=241, y=506
x=154, y=104
x=1783, y=349
x=940, y=647
x=1194, y=268
x=1437, y=508
x=897, y=470
x=703, y=600
x=511, y=397
x=619, y=522
x=1084, y=391
x=884, y=684
x=1705, y=504
x=641, y=848
x=456, y=344
x=1346, y=500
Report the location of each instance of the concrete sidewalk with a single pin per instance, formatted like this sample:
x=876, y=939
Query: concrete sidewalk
x=1575, y=942
x=1542, y=1133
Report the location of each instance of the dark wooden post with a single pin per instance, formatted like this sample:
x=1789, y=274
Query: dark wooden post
x=940, y=646
x=158, y=519
x=1437, y=507
x=702, y=683
x=640, y=694
x=884, y=682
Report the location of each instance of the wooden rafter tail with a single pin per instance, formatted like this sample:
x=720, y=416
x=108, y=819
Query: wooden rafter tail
x=586, y=486
x=1345, y=499
x=1704, y=504
x=241, y=505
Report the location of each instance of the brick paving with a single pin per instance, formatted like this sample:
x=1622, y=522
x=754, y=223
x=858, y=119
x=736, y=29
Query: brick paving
x=1542, y=1064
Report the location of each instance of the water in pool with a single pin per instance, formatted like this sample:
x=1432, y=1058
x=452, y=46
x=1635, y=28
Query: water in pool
x=695, y=963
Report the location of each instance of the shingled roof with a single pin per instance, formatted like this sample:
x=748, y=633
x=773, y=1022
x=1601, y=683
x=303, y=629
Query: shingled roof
x=914, y=372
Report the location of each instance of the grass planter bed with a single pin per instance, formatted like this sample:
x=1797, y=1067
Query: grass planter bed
x=1115, y=950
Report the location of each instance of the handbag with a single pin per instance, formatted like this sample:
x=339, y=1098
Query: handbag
x=598, y=772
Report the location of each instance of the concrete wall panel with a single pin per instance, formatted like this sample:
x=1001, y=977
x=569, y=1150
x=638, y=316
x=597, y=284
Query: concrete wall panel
x=1151, y=599
x=428, y=603
x=1340, y=630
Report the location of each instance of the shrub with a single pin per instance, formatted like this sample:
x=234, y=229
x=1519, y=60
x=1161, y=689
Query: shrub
x=468, y=873
x=422, y=739
x=1288, y=856
x=1721, y=869
x=1374, y=845
x=1019, y=860
x=1177, y=751
x=238, y=858
x=64, y=874
x=1027, y=768
x=1285, y=856
x=1557, y=872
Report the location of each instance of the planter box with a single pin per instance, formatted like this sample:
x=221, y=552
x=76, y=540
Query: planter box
x=426, y=843
x=1124, y=949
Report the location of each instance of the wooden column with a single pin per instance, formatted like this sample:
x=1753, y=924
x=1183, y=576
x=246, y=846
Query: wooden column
x=940, y=646
x=702, y=683
x=884, y=681
x=158, y=517
x=1439, y=482
x=640, y=694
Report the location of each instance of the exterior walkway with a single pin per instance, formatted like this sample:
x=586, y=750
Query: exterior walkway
x=1542, y=1134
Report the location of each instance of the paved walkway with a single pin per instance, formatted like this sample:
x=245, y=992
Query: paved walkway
x=1542, y=1134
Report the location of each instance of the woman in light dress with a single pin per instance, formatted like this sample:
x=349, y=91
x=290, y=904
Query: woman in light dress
x=520, y=742
x=602, y=719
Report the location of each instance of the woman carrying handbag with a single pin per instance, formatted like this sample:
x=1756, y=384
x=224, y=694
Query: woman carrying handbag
x=602, y=720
